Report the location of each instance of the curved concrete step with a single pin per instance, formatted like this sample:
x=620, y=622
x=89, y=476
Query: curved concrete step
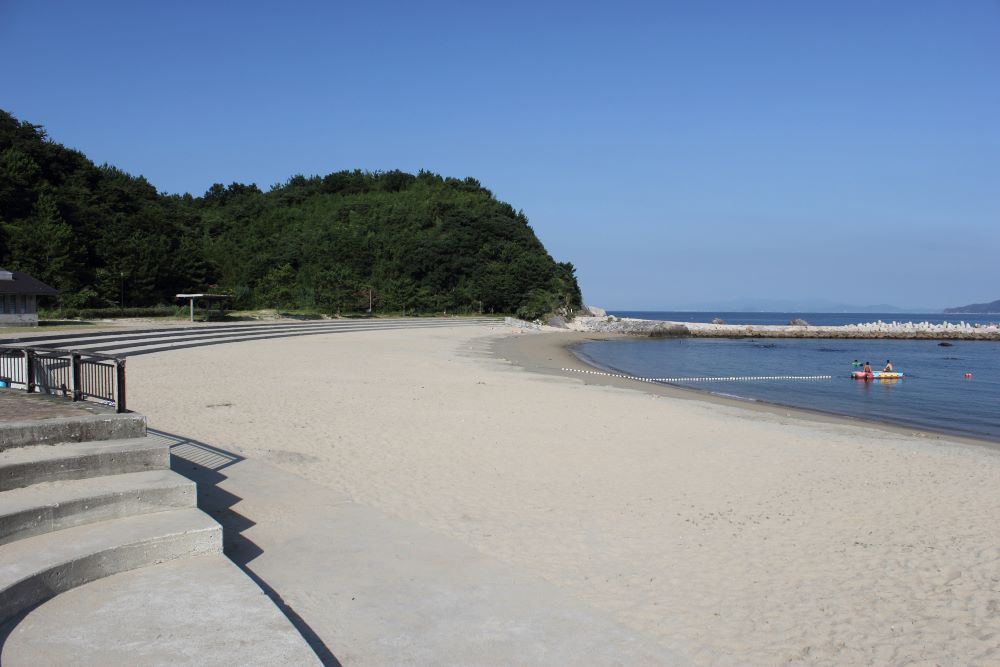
x=25, y=466
x=199, y=611
x=35, y=569
x=50, y=506
x=81, y=428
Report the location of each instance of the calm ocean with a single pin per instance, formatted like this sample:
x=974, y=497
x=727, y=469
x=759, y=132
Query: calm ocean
x=934, y=394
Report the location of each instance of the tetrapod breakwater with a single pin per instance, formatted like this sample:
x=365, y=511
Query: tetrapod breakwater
x=885, y=330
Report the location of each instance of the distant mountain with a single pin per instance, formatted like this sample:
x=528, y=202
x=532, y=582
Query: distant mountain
x=991, y=307
x=798, y=306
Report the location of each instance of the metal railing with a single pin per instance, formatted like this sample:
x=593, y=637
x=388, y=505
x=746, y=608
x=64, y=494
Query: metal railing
x=74, y=374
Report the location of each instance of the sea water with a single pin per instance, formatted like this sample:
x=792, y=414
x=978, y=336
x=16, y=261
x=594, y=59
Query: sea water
x=934, y=394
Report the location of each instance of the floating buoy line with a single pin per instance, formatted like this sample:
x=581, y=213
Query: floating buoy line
x=735, y=378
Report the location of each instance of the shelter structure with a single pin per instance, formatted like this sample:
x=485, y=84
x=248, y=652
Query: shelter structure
x=208, y=300
x=19, y=294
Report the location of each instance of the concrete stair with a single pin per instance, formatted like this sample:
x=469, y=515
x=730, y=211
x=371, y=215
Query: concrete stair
x=34, y=569
x=84, y=427
x=25, y=466
x=51, y=506
x=105, y=558
x=185, y=612
x=77, y=511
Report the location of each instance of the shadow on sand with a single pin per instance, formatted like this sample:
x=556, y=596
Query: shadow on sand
x=202, y=463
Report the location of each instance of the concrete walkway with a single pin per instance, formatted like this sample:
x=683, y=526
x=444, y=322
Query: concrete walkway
x=369, y=589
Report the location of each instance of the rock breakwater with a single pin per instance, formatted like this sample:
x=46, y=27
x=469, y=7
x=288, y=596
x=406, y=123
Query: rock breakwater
x=879, y=329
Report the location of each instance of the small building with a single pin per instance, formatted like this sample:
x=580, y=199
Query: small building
x=19, y=294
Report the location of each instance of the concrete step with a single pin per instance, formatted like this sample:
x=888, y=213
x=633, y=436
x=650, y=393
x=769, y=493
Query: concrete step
x=192, y=611
x=47, y=463
x=50, y=506
x=35, y=569
x=80, y=428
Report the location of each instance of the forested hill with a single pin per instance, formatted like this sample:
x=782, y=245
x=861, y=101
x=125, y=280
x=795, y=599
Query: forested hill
x=416, y=242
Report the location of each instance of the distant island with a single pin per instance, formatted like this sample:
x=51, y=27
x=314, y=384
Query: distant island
x=976, y=308
x=344, y=242
x=761, y=305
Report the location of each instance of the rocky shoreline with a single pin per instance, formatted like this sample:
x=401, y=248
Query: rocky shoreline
x=877, y=330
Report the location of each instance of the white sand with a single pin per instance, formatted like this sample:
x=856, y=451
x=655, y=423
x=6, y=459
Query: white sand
x=728, y=535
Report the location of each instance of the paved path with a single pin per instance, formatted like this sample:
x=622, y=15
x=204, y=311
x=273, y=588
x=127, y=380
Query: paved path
x=132, y=342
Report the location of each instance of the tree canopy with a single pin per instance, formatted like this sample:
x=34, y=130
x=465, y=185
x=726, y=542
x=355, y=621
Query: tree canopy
x=421, y=242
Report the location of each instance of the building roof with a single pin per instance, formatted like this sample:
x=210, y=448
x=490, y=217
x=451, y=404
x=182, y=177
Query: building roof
x=205, y=297
x=15, y=282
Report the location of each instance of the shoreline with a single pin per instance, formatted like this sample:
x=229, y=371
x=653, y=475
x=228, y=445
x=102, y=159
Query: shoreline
x=530, y=351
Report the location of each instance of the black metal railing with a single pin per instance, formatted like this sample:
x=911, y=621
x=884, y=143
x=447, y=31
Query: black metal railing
x=74, y=374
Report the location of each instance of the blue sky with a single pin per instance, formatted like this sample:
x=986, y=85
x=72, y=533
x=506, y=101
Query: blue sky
x=679, y=154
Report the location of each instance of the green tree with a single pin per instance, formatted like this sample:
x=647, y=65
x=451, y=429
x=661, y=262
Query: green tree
x=43, y=245
x=19, y=178
x=277, y=288
x=335, y=288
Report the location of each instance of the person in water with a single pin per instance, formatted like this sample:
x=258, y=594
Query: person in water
x=888, y=367
x=867, y=368
x=855, y=363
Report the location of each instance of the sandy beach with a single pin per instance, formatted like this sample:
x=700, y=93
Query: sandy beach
x=695, y=531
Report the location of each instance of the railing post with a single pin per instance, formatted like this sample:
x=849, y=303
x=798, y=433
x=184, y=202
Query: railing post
x=29, y=370
x=75, y=368
x=119, y=385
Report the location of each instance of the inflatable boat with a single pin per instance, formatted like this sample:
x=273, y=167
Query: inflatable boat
x=876, y=375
